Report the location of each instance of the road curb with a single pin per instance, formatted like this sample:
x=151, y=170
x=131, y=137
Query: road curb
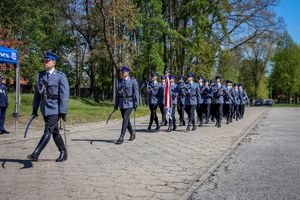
x=213, y=167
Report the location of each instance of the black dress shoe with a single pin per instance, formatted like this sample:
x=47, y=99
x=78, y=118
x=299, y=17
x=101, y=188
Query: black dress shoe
x=1, y=133
x=219, y=125
x=5, y=131
x=62, y=156
x=227, y=122
x=33, y=157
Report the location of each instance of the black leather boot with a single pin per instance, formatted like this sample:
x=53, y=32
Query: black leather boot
x=157, y=127
x=121, y=139
x=227, y=122
x=188, y=128
x=169, y=127
x=183, y=123
x=194, y=126
x=42, y=144
x=132, y=134
x=201, y=123
x=219, y=125
x=63, y=156
x=174, y=126
x=180, y=123
x=61, y=147
x=149, y=128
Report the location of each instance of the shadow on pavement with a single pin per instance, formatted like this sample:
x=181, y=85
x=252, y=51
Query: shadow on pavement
x=27, y=163
x=94, y=140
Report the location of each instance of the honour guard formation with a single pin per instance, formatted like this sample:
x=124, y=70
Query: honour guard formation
x=197, y=101
x=201, y=98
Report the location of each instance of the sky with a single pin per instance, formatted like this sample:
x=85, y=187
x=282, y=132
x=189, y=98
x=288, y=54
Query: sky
x=289, y=10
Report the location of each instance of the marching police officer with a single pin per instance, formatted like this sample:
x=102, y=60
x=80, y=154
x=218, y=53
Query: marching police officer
x=228, y=101
x=200, y=105
x=181, y=100
x=237, y=102
x=192, y=99
x=3, y=105
x=127, y=98
x=244, y=100
x=51, y=95
x=174, y=95
x=207, y=96
x=218, y=90
x=153, y=88
x=161, y=101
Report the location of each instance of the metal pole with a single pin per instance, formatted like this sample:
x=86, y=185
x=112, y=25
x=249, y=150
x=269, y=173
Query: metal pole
x=17, y=107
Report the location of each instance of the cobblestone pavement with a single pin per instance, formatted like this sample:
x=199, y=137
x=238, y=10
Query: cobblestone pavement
x=157, y=165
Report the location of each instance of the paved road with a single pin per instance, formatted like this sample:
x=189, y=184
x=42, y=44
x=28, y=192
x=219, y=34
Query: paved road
x=265, y=166
x=158, y=165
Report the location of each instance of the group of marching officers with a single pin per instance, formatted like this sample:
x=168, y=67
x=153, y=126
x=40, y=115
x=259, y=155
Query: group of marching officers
x=210, y=99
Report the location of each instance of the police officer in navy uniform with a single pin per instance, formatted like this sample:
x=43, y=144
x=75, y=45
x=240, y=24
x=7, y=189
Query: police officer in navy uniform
x=228, y=101
x=200, y=106
x=153, y=88
x=174, y=95
x=181, y=100
x=127, y=98
x=192, y=99
x=3, y=105
x=237, y=101
x=207, y=96
x=51, y=95
x=161, y=101
x=218, y=90
x=244, y=100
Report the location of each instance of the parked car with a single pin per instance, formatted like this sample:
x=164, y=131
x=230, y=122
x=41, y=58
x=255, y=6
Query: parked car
x=259, y=102
x=268, y=102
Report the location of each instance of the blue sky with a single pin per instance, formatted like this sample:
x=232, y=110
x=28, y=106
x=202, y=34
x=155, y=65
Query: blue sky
x=289, y=10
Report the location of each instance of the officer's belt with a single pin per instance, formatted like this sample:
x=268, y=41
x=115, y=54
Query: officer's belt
x=53, y=97
x=192, y=95
x=126, y=97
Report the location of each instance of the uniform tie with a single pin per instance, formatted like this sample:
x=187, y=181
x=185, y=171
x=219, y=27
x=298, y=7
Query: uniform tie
x=48, y=74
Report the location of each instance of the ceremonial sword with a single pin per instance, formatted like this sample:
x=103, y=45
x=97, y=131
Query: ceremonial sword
x=114, y=110
x=28, y=125
x=65, y=134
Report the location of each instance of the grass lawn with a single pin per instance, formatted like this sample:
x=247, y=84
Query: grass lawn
x=80, y=110
x=286, y=105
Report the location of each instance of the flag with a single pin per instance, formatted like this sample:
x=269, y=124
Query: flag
x=168, y=96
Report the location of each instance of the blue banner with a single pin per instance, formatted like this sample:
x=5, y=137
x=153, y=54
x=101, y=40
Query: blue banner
x=8, y=55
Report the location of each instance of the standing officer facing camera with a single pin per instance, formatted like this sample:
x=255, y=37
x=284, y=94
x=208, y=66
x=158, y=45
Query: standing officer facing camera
x=127, y=98
x=3, y=105
x=51, y=95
